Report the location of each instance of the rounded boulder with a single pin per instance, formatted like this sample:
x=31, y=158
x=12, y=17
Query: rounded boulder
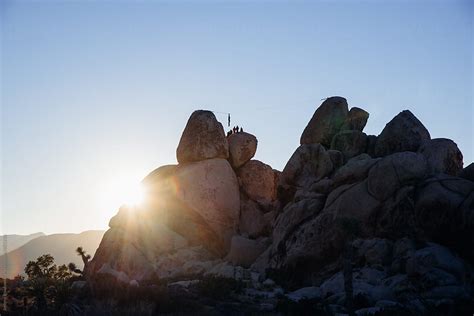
x=242, y=148
x=202, y=138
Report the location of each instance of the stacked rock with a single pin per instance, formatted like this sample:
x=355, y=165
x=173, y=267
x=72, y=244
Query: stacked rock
x=400, y=200
x=195, y=212
x=396, y=188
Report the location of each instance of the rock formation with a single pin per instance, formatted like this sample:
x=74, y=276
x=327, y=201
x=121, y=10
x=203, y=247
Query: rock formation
x=401, y=201
x=203, y=138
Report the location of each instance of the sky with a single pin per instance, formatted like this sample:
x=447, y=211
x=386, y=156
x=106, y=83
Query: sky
x=95, y=94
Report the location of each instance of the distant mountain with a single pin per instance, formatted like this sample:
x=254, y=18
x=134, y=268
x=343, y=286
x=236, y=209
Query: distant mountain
x=16, y=241
x=61, y=246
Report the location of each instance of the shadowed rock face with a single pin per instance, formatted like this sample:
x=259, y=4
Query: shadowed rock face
x=326, y=122
x=203, y=138
x=442, y=155
x=350, y=143
x=403, y=133
x=356, y=120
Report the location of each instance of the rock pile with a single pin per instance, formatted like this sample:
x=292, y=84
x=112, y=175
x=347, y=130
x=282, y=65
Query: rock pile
x=398, y=206
x=216, y=203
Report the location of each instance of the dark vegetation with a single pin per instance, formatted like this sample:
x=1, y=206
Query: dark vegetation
x=49, y=289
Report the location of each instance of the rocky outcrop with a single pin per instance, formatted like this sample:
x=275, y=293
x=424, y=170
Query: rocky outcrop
x=356, y=119
x=350, y=143
x=242, y=148
x=326, y=122
x=468, y=172
x=395, y=171
x=259, y=181
x=442, y=155
x=403, y=133
x=308, y=164
x=398, y=207
x=202, y=138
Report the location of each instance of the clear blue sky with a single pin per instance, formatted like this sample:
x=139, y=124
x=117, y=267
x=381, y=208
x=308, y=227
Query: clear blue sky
x=98, y=91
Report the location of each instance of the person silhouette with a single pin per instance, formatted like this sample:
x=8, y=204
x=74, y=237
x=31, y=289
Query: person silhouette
x=241, y=129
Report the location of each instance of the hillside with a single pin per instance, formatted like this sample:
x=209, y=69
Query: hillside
x=60, y=246
x=16, y=241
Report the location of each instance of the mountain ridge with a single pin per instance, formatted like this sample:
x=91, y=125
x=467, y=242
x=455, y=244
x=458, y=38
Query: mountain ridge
x=61, y=246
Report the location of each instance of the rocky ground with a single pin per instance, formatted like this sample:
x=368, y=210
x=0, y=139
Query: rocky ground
x=355, y=223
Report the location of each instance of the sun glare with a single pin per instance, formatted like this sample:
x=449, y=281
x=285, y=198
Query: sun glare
x=123, y=190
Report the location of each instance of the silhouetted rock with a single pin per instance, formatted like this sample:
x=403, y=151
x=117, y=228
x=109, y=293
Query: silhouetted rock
x=202, y=138
x=350, y=143
x=442, y=155
x=242, y=148
x=468, y=172
x=371, y=142
x=309, y=163
x=409, y=219
x=356, y=119
x=403, y=133
x=337, y=158
x=355, y=170
x=326, y=122
x=445, y=211
x=395, y=171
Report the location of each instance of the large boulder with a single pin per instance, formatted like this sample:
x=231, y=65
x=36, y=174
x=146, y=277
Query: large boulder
x=202, y=138
x=159, y=182
x=259, y=181
x=442, y=155
x=356, y=119
x=444, y=210
x=211, y=188
x=355, y=170
x=242, y=148
x=354, y=202
x=308, y=164
x=326, y=122
x=468, y=172
x=403, y=133
x=131, y=249
x=293, y=215
x=350, y=143
x=395, y=171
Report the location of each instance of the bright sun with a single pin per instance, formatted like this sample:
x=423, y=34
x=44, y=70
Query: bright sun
x=122, y=189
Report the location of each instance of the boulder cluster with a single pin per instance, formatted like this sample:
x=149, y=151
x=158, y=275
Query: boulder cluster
x=397, y=207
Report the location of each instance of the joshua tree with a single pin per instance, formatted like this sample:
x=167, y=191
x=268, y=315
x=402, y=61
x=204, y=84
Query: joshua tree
x=73, y=268
x=85, y=258
x=350, y=228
